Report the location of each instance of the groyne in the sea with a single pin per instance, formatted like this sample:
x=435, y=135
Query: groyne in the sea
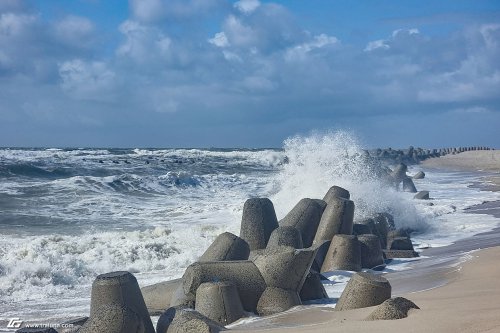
x=272, y=266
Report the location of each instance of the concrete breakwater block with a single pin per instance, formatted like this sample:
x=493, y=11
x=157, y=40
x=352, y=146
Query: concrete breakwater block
x=182, y=320
x=422, y=195
x=361, y=229
x=258, y=222
x=364, y=290
x=322, y=204
x=285, y=268
x=393, y=308
x=285, y=236
x=336, y=219
x=419, y=175
x=409, y=186
x=312, y=288
x=321, y=251
x=180, y=298
x=115, y=318
x=369, y=223
x=305, y=216
x=394, y=254
x=158, y=296
x=401, y=243
x=344, y=254
x=336, y=192
x=226, y=246
x=275, y=300
x=244, y=274
x=384, y=222
x=399, y=172
x=72, y=325
x=219, y=301
x=122, y=291
x=371, y=251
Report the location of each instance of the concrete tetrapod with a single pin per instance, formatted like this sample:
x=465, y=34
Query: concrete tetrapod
x=344, y=254
x=393, y=308
x=361, y=229
x=285, y=236
x=383, y=223
x=219, y=301
x=336, y=219
x=305, y=216
x=371, y=251
x=321, y=251
x=183, y=320
x=285, y=267
x=401, y=243
x=322, y=204
x=408, y=185
x=244, y=274
x=258, y=222
x=226, y=246
x=122, y=290
x=364, y=290
x=275, y=300
x=114, y=318
x=399, y=173
x=419, y=175
x=336, y=192
x=158, y=296
x=422, y=195
x=180, y=298
x=284, y=270
x=312, y=287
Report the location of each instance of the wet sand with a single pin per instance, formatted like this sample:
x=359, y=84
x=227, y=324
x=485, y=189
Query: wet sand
x=468, y=303
x=457, y=287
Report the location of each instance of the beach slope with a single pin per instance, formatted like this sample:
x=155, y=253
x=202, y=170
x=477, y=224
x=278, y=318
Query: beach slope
x=470, y=302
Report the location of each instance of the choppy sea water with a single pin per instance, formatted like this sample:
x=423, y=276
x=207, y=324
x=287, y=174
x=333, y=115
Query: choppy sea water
x=67, y=215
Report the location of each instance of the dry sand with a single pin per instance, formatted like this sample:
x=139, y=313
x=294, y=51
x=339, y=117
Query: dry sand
x=481, y=160
x=469, y=303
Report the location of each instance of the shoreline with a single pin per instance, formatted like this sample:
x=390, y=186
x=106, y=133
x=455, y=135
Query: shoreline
x=441, y=283
x=468, y=303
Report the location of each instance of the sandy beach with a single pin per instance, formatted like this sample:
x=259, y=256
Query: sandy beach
x=480, y=160
x=466, y=301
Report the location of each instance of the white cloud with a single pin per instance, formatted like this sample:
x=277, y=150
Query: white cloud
x=247, y=6
x=298, y=52
x=219, y=40
x=147, y=10
x=143, y=43
x=239, y=34
x=15, y=24
x=258, y=84
x=75, y=30
x=412, y=31
x=377, y=44
x=86, y=80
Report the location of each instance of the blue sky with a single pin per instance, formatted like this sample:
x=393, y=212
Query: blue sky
x=248, y=73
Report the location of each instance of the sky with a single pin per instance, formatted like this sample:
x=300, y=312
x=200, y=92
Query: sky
x=248, y=73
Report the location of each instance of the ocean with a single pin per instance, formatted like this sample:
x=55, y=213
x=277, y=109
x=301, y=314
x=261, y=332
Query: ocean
x=67, y=215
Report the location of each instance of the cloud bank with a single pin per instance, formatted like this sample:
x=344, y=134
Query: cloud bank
x=248, y=73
